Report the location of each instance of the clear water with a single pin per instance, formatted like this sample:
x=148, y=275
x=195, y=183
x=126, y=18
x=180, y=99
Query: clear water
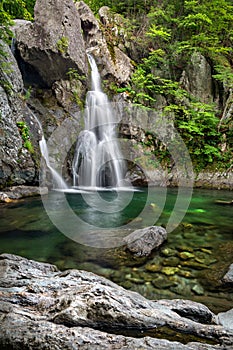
x=189, y=265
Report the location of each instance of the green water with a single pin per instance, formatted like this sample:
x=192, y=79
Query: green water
x=190, y=264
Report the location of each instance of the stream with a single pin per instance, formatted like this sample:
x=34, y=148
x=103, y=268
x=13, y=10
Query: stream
x=189, y=265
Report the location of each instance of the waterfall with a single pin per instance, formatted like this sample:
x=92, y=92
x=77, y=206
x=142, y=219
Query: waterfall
x=58, y=180
x=98, y=161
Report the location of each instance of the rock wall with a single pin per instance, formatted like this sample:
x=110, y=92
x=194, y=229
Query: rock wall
x=112, y=62
x=17, y=161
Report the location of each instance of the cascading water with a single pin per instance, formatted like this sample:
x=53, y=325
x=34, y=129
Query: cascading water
x=98, y=161
x=58, y=180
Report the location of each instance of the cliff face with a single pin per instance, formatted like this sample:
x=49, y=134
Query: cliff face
x=51, y=55
x=17, y=158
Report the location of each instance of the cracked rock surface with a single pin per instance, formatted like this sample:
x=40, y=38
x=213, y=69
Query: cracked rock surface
x=44, y=308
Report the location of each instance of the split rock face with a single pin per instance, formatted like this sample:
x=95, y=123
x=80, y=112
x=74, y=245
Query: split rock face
x=53, y=43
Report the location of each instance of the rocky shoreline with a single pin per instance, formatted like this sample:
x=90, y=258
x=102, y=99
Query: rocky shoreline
x=44, y=308
x=211, y=181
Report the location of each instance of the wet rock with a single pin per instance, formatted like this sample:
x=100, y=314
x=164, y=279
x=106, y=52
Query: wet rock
x=17, y=192
x=42, y=307
x=194, y=265
x=169, y=270
x=197, y=289
x=203, y=258
x=153, y=267
x=182, y=287
x=228, y=278
x=226, y=319
x=185, y=273
x=141, y=242
x=190, y=309
x=168, y=252
x=171, y=261
x=4, y=198
x=162, y=282
x=53, y=43
x=218, y=180
x=186, y=255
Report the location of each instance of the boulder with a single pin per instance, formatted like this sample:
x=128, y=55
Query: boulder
x=141, y=242
x=18, y=192
x=226, y=319
x=53, y=43
x=113, y=63
x=192, y=78
x=215, y=180
x=42, y=307
x=228, y=278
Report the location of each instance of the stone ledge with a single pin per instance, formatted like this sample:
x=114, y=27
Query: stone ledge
x=42, y=307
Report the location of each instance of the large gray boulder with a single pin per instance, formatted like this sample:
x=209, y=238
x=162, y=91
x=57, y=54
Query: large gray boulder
x=112, y=61
x=197, y=78
x=44, y=308
x=53, y=43
x=141, y=242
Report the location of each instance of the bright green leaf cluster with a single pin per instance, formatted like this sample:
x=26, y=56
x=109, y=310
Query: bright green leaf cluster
x=25, y=134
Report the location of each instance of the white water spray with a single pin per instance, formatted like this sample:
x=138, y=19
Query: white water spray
x=59, y=183
x=98, y=161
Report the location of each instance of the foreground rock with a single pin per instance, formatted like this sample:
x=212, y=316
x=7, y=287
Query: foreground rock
x=44, y=308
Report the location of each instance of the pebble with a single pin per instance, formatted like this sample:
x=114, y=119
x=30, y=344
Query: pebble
x=186, y=255
x=153, y=267
x=169, y=270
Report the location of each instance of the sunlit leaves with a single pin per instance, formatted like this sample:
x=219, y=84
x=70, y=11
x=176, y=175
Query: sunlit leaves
x=158, y=32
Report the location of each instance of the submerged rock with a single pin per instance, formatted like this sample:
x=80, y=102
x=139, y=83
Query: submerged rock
x=228, y=278
x=42, y=307
x=141, y=242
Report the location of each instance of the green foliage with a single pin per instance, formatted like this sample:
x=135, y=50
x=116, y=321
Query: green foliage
x=74, y=74
x=63, y=44
x=225, y=75
x=173, y=32
x=25, y=134
x=5, y=32
x=9, y=10
x=19, y=8
x=158, y=32
x=196, y=122
x=198, y=126
x=129, y=8
x=76, y=82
